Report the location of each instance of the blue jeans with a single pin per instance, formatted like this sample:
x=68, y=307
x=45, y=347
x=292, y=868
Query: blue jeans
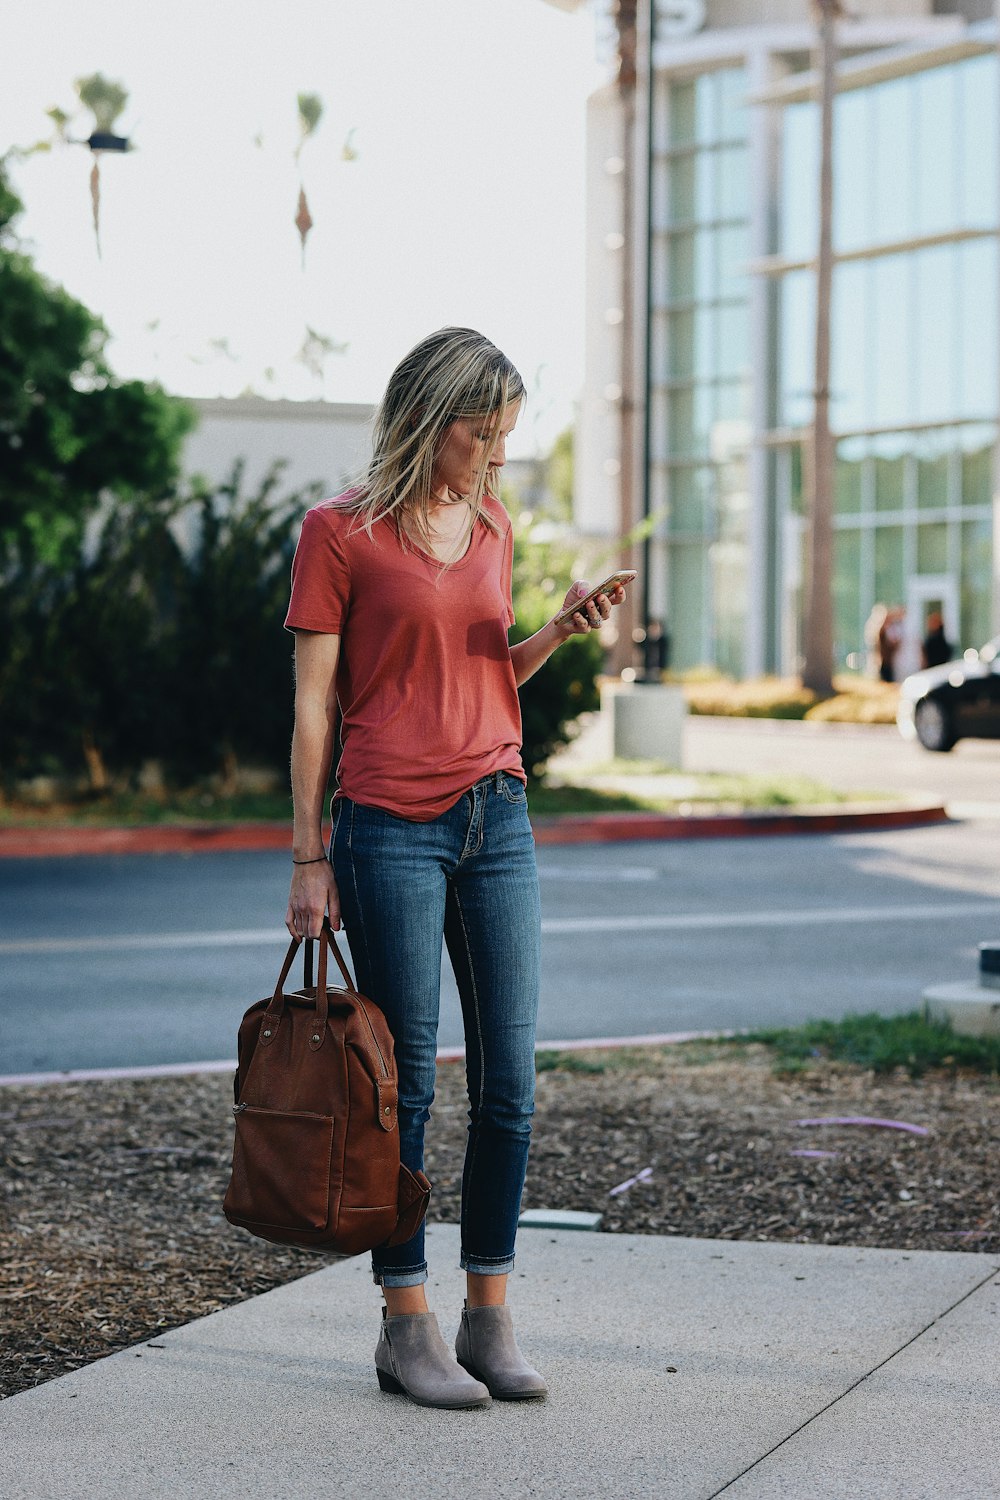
x=468, y=876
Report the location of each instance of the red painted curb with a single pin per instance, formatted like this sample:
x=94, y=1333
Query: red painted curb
x=168, y=838
x=606, y=828
x=571, y=828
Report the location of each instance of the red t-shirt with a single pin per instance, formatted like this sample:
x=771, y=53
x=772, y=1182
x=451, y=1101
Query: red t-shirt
x=425, y=681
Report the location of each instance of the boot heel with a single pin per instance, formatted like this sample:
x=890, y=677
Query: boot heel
x=428, y=1375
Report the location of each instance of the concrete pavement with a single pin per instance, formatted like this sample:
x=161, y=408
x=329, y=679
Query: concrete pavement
x=678, y=1367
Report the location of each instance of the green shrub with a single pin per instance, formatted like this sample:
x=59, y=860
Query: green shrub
x=882, y=1043
x=566, y=685
x=858, y=700
x=159, y=637
x=757, y=698
x=154, y=648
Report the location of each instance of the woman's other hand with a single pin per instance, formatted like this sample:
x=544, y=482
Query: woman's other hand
x=313, y=895
x=592, y=615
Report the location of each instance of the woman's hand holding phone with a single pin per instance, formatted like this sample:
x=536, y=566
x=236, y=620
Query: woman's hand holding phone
x=585, y=608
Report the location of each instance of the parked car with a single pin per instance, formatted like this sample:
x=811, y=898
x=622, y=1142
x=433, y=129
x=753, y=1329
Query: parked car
x=960, y=700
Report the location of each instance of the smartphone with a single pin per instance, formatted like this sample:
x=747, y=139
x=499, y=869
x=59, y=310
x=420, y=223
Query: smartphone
x=626, y=576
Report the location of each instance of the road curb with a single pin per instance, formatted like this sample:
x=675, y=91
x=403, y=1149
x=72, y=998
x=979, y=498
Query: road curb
x=67, y=841
x=444, y=1055
x=597, y=828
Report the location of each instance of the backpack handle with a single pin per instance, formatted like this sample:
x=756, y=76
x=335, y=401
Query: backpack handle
x=272, y=1016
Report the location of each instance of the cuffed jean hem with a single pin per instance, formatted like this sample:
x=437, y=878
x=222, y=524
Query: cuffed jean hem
x=391, y=1278
x=480, y=1267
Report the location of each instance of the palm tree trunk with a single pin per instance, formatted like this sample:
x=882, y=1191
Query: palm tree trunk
x=817, y=671
x=627, y=25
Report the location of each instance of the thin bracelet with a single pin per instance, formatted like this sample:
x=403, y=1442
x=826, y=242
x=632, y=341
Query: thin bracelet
x=319, y=858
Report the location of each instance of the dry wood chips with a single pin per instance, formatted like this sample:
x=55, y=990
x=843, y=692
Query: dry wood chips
x=112, y=1224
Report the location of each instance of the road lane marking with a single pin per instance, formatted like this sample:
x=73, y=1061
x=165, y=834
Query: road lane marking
x=698, y=921
x=142, y=941
x=809, y=917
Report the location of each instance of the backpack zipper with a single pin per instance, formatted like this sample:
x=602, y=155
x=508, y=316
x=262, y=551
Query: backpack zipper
x=378, y=1049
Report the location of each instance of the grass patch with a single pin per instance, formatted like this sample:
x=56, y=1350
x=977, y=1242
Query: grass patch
x=678, y=791
x=567, y=1062
x=583, y=799
x=769, y=791
x=707, y=792
x=648, y=1060
x=882, y=1043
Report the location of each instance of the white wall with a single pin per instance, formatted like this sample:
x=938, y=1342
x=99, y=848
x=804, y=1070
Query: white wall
x=322, y=440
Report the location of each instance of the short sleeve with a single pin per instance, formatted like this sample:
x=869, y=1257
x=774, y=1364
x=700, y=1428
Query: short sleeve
x=321, y=577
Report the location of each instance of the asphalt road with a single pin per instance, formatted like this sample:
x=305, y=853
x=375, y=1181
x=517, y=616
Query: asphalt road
x=129, y=961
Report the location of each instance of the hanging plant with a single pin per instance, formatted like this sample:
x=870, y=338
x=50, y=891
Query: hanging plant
x=105, y=100
x=310, y=114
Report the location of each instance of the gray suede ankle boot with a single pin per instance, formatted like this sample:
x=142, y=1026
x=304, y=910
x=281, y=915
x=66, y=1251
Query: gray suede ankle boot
x=486, y=1347
x=412, y=1359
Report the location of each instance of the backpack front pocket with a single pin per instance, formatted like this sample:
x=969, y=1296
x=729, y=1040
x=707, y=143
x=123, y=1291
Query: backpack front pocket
x=281, y=1168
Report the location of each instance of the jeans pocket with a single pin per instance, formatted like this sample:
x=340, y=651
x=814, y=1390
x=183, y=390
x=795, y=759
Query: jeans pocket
x=513, y=788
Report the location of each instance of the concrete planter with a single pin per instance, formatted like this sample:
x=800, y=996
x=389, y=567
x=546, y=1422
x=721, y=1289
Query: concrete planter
x=647, y=720
x=972, y=1009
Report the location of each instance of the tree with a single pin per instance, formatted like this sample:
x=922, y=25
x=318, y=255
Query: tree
x=559, y=477
x=70, y=433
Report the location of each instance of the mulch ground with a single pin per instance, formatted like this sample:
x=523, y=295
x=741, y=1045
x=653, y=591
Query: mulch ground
x=112, y=1228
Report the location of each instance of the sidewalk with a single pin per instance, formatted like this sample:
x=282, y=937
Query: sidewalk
x=679, y=1368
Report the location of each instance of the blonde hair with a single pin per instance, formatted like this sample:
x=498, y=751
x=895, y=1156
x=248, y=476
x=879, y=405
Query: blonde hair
x=452, y=373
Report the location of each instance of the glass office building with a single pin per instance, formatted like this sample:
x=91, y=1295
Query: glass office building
x=702, y=362
x=915, y=383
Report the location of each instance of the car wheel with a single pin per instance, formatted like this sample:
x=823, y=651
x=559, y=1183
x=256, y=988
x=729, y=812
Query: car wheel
x=933, y=725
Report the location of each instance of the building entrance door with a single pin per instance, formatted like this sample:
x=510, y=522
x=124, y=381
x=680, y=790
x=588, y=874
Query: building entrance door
x=927, y=594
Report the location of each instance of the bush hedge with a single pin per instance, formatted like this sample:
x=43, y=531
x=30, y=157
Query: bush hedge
x=857, y=700
x=161, y=641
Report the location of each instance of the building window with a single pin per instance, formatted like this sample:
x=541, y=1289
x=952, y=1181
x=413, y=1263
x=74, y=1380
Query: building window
x=702, y=248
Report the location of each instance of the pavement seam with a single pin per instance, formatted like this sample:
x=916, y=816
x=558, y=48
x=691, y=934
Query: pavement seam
x=938, y=1318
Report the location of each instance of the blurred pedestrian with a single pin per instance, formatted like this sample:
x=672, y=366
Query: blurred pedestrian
x=873, y=626
x=935, y=649
x=890, y=638
x=655, y=651
x=401, y=604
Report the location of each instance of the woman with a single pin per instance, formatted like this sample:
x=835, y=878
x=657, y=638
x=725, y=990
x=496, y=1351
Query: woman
x=401, y=604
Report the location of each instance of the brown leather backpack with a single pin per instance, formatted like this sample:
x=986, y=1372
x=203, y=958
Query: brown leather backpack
x=316, y=1154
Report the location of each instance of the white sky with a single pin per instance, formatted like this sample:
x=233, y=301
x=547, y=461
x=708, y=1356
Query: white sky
x=466, y=203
